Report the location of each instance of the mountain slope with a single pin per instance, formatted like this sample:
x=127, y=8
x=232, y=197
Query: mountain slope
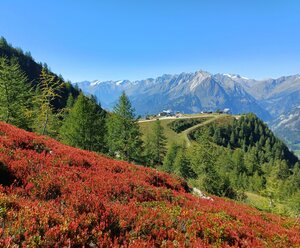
x=277, y=96
x=33, y=70
x=287, y=127
x=54, y=195
x=186, y=92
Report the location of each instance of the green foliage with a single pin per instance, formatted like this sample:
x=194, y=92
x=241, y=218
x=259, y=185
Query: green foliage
x=212, y=167
x=294, y=203
x=33, y=70
x=15, y=94
x=178, y=162
x=84, y=126
x=168, y=164
x=69, y=106
x=183, y=124
x=46, y=120
x=249, y=132
x=244, y=155
x=182, y=164
x=123, y=134
x=155, y=145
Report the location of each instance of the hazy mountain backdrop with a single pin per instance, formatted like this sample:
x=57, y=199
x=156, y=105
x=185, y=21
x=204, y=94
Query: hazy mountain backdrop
x=274, y=100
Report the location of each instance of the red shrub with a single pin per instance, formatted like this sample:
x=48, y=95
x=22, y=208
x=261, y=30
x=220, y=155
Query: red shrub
x=52, y=195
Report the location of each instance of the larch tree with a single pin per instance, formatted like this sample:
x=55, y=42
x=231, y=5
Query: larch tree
x=47, y=120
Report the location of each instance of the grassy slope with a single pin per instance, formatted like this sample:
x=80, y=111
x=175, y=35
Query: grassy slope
x=173, y=137
x=52, y=195
x=263, y=203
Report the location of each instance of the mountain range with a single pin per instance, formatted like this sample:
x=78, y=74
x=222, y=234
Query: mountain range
x=270, y=99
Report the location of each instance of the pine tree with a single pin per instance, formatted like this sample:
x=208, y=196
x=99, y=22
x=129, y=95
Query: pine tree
x=15, y=94
x=123, y=133
x=84, y=126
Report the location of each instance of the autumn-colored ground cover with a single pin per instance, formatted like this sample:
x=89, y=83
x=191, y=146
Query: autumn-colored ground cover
x=52, y=195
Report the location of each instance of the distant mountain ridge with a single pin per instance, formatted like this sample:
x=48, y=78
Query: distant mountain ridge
x=186, y=92
x=193, y=92
x=203, y=91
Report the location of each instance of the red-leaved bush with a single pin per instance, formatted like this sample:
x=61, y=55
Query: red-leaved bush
x=52, y=195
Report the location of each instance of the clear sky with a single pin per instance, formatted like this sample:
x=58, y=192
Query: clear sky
x=136, y=39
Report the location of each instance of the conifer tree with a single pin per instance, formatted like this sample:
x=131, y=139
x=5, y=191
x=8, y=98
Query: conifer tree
x=155, y=145
x=47, y=121
x=69, y=105
x=149, y=150
x=84, y=126
x=124, y=137
x=168, y=165
x=183, y=165
x=15, y=94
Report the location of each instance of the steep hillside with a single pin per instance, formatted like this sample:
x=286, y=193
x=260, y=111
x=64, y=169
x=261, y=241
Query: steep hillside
x=33, y=70
x=287, y=127
x=53, y=195
x=232, y=156
x=248, y=132
x=277, y=96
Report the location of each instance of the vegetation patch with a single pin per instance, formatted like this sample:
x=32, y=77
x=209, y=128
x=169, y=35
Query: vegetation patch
x=117, y=205
x=180, y=125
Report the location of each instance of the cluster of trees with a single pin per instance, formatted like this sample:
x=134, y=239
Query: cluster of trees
x=24, y=106
x=177, y=162
x=249, y=132
x=81, y=123
x=245, y=156
x=183, y=124
x=33, y=71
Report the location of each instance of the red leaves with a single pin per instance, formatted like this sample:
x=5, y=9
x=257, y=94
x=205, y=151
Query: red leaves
x=62, y=196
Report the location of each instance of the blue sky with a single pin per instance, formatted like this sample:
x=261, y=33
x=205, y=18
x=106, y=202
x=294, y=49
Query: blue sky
x=136, y=39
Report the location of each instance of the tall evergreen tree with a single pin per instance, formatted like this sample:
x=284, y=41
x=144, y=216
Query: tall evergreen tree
x=84, y=126
x=155, y=145
x=168, y=165
x=124, y=137
x=69, y=105
x=182, y=164
x=15, y=94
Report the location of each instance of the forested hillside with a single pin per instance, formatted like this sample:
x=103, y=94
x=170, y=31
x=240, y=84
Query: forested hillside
x=32, y=71
x=233, y=156
x=36, y=99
